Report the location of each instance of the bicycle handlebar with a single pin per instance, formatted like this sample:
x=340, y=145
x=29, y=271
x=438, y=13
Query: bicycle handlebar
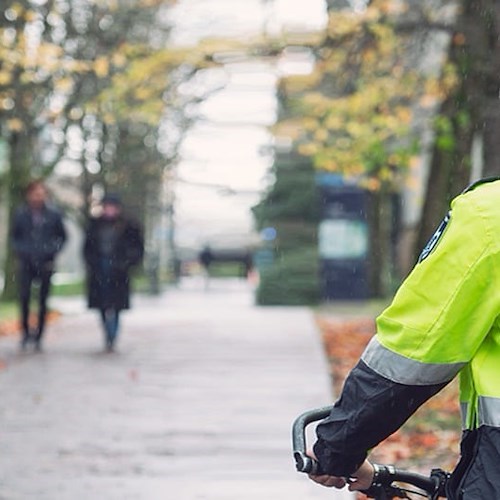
x=303, y=462
x=382, y=486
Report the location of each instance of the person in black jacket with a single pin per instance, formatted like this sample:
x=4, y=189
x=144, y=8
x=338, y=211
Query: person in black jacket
x=37, y=236
x=113, y=245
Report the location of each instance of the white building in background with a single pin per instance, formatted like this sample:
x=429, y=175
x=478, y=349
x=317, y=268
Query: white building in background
x=226, y=156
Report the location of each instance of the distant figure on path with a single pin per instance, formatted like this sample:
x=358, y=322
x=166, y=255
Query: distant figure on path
x=206, y=258
x=113, y=245
x=37, y=236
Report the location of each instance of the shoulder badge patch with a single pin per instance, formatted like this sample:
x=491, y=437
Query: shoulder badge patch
x=434, y=240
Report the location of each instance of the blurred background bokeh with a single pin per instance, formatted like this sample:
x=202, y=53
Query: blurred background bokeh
x=312, y=146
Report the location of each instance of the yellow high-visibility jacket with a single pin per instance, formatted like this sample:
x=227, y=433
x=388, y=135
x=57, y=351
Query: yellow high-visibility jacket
x=444, y=320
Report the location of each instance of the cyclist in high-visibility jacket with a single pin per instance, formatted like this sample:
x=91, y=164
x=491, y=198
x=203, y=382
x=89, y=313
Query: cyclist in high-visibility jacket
x=444, y=320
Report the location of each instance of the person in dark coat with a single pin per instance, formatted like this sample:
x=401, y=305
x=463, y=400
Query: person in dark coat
x=205, y=258
x=37, y=236
x=113, y=245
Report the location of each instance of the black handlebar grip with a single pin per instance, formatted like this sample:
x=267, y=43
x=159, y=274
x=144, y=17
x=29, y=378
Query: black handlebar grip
x=304, y=463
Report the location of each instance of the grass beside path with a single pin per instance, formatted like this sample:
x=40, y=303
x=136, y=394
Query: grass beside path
x=9, y=318
x=9, y=310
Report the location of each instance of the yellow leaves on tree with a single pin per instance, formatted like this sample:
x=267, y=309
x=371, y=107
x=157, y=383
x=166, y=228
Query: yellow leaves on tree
x=358, y=120
x=28, y=62
x=5, y=78
x=101, y=67
x=30, y=59
x=64, y=85
x=141, y=78
x=45, y=56
x=340, y=132
x=14, y=11
x=15, y=124
x=114, y=5
x=138, y=80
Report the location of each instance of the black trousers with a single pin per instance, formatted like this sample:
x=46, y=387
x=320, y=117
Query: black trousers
x=30, y=274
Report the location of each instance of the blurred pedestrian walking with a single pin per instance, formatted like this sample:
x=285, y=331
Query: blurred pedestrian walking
x=37, y=236
x=113, y=245
x=206, y=258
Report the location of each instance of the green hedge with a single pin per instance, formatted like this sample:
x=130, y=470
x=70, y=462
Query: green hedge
x=292, y=280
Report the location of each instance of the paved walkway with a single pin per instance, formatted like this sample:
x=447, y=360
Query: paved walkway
x=196, y=404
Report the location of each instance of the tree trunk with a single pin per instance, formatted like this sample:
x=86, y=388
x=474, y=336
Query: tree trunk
x=20, y=144
x=382, y=259
x=491, y=134
x=452, y=158
x=491, y=130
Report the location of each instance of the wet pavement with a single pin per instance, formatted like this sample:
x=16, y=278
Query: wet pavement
x=197, y=402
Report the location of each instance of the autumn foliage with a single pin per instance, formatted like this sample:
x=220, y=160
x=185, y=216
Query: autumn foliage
x=430, y=438
x=355, y=114
x=12, y=327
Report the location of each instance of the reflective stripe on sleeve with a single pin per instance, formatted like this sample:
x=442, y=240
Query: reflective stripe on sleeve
x=402, y=370
x=489, y=411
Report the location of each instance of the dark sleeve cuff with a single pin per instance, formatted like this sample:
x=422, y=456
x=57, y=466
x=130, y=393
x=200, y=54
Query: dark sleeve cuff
x=369, y=410
x=335, y=464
